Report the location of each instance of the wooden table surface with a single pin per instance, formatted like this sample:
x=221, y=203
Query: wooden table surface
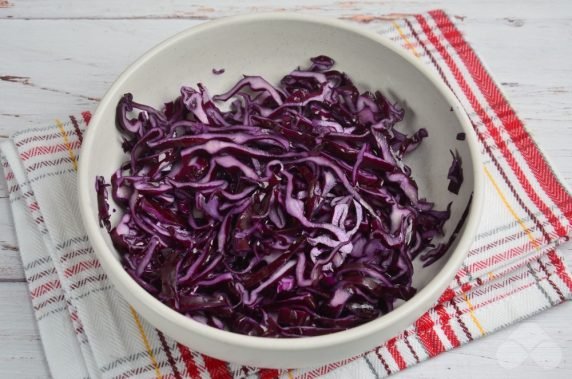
x=58, y=57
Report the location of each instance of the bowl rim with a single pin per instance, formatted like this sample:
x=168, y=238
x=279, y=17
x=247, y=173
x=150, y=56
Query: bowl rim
x=411, y=307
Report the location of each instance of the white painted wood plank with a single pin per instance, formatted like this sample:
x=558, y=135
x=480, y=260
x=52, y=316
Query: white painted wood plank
x=21, y=354
x=205, y=9
x=40, y=80
x=10, y=262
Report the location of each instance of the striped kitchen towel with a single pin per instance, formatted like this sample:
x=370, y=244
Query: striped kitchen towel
x=512, y=270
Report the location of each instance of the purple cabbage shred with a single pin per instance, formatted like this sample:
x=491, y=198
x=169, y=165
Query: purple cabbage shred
x=455, y=174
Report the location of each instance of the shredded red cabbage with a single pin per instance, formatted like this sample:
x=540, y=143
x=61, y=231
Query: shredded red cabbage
x=288, y=213
x=103, y=205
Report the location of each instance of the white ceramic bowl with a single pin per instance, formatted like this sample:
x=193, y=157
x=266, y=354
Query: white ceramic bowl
x=271, y=45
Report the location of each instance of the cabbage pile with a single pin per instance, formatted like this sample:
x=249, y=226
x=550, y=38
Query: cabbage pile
x=279, y=211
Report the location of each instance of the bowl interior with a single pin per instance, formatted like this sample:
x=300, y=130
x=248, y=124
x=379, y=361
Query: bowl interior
x=271, y=48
